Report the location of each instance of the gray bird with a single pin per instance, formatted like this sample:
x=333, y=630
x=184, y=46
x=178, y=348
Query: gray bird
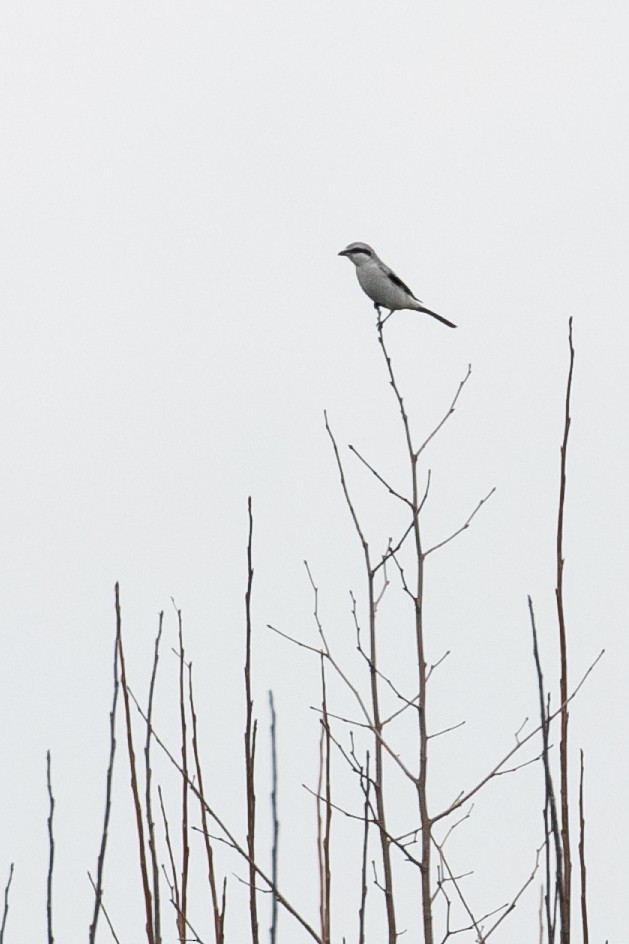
x=382, y=285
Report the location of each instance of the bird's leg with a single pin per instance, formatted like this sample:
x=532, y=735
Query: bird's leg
x=382, y=321
x=377, y=307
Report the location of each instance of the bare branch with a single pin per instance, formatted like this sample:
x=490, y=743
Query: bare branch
x=218, y=907
x=250, y=741
x=148, y=793
x=448, y=414
x=275, y=818
x=150, y=931
x=467, y=795
x=566, y=897
x=7, y=889
x=453, y=727
x=101, y=908
x=463, y=527
x=584, y=907
x=377, y=475
x=100, y=864
x=51, y=851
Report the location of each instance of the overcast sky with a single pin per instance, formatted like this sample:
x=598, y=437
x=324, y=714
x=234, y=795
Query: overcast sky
x=177, y=180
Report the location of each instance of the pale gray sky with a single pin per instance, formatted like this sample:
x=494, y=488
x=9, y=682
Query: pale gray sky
x=177, y=179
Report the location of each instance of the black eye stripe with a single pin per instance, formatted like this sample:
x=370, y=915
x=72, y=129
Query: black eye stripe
x=365, y=252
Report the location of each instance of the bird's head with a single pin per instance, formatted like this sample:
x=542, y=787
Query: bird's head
x=359, y=253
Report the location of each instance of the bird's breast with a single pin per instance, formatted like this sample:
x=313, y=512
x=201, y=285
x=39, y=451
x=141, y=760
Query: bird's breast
x=377, y=285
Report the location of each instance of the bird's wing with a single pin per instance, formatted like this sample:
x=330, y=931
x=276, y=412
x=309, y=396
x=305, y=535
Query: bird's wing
x=398, y=281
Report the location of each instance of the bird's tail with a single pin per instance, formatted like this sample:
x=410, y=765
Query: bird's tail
x=434, y=314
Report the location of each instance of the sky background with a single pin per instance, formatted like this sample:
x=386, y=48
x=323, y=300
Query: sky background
x=176, y=182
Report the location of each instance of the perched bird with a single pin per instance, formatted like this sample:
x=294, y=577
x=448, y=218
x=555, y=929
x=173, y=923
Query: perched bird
x=382, y=285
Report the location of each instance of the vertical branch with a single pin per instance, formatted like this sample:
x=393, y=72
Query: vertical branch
x=150, y=822
x=175, y=897
x=5, y=912
x=250, y=742
x=185, y=848
x=276, y=822
x=365, y=785
x=551, y=820
x=105, y=913
x=51, y=853
x=584, y=907
x=324, y=800
x=100, y=865
x=139, y=823
x=217, y=907
x=378, y=782
x=418, y=597
x=565, y=900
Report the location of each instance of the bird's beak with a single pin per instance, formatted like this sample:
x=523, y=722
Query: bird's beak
x=344, y=252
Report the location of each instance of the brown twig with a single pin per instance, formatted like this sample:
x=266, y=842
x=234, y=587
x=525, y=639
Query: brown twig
x=448, y=414
x=218, y=907
x=463, y=527
x=251, y=727
x=148, y=801
x=456, y=885
x=182, y=912
x=275, y=818
x=101, y=908
x=584, y=907
x=174, y=884
x=514, y=901
x=100, y=865
x=377, y=475
x=551, y=821
x=365, y=784
x=5, y=912
x=565, y=901
x=139, y=821
x=51, y=851
x=324, y=822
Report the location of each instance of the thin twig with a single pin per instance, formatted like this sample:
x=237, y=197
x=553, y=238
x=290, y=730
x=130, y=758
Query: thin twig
x=365, y=785
x=463, y=527
x=100, y=864
x=101, y=908
x=51, y=851
x=377, y=475
x=182, y=913
x=148, y=773
x=449, y=413
x=250, y=741
x=565, y=902
x=584, y=907
x=516, y=897
x=7, y=889
x=218, y=908
x=275, y=818
x=464, y=796
x=551, y=821
x=139, y=822
x=327, y=872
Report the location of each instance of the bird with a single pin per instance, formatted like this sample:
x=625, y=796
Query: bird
x=382, y=285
